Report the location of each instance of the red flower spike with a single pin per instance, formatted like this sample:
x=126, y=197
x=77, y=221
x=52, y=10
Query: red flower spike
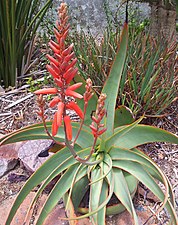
x=54, y=44
x=66, y=32
x=102, y=131
x=51, y=71
x=59, y=57
x=53, y=60
x=75, y=86
x=59, y=82
x=54, y=48
x=68, y=50
x=55, y=68
x=63, y=66
x=54, y=101
x=94, y=119
x=69, y=57
x=67, y=73
x=67, y=122
x=66, y=29
x=72, y=64
x=73, y=94
x=46, y=91
x=65, y=20
x=59, y=113
x=76, y=108
x=93, y=128
x=54, y=125
x=57, y=34
x=39, y=113
x=71, y=75
x=61, y=43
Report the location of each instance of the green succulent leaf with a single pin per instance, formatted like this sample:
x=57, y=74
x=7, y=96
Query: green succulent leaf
x=103, y=196
x=112, y=83
x=48, y=170
x=142, y=175
x=133, y=156
x=95, y=192
x=140, y=134
x=123, y=116
x=61, y=168
x=77, y=196
x=122, y=132
x=121, y=190
x=57, y=192
x=37, y=132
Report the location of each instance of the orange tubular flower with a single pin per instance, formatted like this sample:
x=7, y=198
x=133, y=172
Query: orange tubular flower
x=46, y=91
x=54, y=101
x=54, y=125
x=75, y=86
x=76, y=108
x=68, y=126
x=59, y=113
x=73, y=94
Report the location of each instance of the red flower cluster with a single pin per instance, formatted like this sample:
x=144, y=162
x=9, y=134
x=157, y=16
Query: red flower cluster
x=62, y=68
x=96, y=126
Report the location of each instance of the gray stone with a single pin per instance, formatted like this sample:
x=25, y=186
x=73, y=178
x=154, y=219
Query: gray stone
x=8, y=157
x=28, y=153
x=7, y=165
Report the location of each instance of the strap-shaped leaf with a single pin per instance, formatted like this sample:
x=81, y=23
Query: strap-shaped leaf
x=141, y=134
x=78, y=171
x=95, y=192
x=108, y=161
x=40, y=175
x=121, y=190
x=156, y=173
x=82, y=185
x=70, y=161
x=110, y=182
x=123, y=116
x=125, y=154
x=121, y=133
x=112, y=83
x=102, y=213
x=60, y=188
x=36, y=132
x=143, y=176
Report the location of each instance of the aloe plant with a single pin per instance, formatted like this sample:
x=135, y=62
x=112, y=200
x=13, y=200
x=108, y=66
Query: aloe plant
x=99, y=155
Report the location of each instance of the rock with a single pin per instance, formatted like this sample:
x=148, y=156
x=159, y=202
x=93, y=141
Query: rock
x=8, y=157
x=28, y=153
x=6, y=205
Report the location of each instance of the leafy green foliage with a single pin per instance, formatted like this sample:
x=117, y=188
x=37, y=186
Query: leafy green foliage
x=19, y=21
x=147, y=82
x=114, y=168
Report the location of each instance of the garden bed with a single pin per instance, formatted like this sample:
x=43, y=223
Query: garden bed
x=18, y=109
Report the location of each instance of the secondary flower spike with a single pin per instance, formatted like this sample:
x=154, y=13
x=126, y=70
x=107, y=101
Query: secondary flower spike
x=62, y=68
x=96, y=126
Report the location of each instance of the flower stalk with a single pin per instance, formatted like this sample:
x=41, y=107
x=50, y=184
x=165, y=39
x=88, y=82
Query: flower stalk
x=63, y=70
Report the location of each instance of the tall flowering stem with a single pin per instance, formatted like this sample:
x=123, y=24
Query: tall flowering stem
x=63, y=70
